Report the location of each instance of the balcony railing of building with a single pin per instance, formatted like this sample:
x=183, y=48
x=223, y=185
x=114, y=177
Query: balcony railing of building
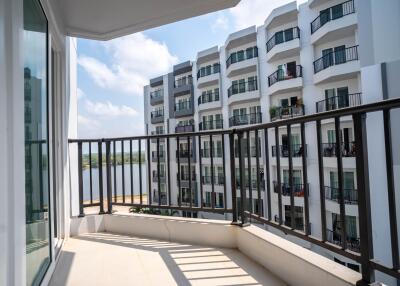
x=242, y=55
x=183, y=81
x=287, y=190
x=337, y=57
x=282, y=37
x=211, y=125
x=184, y=128
x=157, y=94
x=116, y=193
x=281, y=75
x=208, y=97
x=157, y=132
x=286, y=112
x=208, y=70
x=254, y=151
x=299, y=225
x=242, y=87
x=352, y=243
x=346, y=149
x=186, y=177
x=350, y=196
x=183, y=105
x=332, y=13
x=218, y=180
x=253, y=182
x=157, y=177
x=245, y=119
x=206, y=152
x=296, y=150
x=157, y=113
x=339, y=101
x=185, y=153
x=157, y=155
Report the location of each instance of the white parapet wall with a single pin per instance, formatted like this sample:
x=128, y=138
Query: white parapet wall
x=292, y=263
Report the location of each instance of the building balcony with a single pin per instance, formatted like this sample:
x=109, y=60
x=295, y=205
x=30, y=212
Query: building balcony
x=218, y=180
x=340, y=101
x=338, y=65
x=337, y=22
x=278, y=113
x=155, y=157
x=157, y=97
x=162, y=177
x=211, y=125
x=184, y=108
x=253, y=183
x=154, y=140
x=283, y=44
x=296, y=150
x=350, y=196
x=208, y=76
x=209, y=100
x=185, y=155
x=245, y=119
x=243, y=91
x=280, y=82
x=287, y=189
x=157, y=116
x=183, y=86
x=186, y=181
x=335, y=237
x=184, y=128
x=242, y=62
x=348, y=149
x=206, y=153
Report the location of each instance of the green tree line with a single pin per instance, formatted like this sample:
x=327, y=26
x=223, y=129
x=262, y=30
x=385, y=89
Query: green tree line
x=117, y=159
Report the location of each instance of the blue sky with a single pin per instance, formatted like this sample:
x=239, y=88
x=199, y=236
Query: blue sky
x=111, y=75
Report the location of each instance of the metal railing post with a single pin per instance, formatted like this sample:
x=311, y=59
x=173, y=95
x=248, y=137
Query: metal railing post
x=100, y=166
x=242, y=150
x=364, y=205
x=108, y=177
x=233, y=177
x=80, y=180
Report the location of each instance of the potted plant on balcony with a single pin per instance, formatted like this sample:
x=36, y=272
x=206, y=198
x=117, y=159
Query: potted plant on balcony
x=273, y=111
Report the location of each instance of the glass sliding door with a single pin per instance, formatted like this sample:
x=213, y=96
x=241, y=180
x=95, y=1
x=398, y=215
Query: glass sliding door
x=37, y=206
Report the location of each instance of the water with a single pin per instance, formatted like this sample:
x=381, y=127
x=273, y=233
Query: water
x=127, y=172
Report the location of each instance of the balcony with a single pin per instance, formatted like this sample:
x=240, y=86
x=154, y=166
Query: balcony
x=216, y=180
x=296, y=150
x=278, y=113
x=337, y=22
x=350, y=196
x=253, y=151
x=279, y=82
x=347, y=149
x=208, y=75
x=245, y=119
x=185, y=155
x=209, y=100
x=162, y=177
x=337, y=65
x=243, y=91
x=157, y=116
x=184, y=128
x=184, y=108
x=287, y=189
x=283, y=44
x=340, y=101
x=206, y=153
x=154, y=140
x=242, y=62
x=183, y=86
x=157, y=97
x=155, y=157
x=271, y=251
x=211, y=125
x=254, y=184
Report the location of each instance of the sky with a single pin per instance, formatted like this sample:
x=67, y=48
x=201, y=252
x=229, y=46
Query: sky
x=112, y=74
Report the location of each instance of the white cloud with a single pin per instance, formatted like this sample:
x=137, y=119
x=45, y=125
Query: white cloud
x=87, y=123
x=221, y=23
x=108, y=110
x=135, y=59
x=80, y=93
x=254, y=12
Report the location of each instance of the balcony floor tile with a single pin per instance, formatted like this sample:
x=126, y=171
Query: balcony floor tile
x=112, y=259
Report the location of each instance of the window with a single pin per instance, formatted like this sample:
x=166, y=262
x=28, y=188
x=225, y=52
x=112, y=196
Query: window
x=240, y=56
x=343, y=97
x=249, y=53
x=242, y=85
x=327, y=57
x=289, y=34
x=331, y=136
x=340, y=55
x=337, y=11
x=279, y=37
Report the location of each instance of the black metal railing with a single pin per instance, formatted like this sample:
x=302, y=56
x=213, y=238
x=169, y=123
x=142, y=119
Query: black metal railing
x=350, y=196
x=242, y=87
x=245, y=119
x=337, y=57
x=185, y=153
x=184, y=128
x=136, y=151
x=286, y=112
x=206, y=152
x=186, y=177
x=208, y=70
x=332, y=13
x=188, y=80
x=280, y=75
x=297, y=190
x=282, y=37
x=339, y=101
x=211, y=125
x=242, y=55
x=155, y=155
x=208, y=97
x=347, y=149
x=157, y=113
x=296, y=150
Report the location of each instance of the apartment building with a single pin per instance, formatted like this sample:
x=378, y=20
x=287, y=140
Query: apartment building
x=303, y=60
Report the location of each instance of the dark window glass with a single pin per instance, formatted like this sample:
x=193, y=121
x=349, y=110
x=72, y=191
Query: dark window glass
x=289, y=34
x=279, y=37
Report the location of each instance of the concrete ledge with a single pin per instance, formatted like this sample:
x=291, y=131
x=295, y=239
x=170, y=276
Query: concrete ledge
x=291, y=262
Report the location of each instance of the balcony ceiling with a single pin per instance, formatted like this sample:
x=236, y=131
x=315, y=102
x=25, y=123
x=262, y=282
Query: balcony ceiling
x=105, y=19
